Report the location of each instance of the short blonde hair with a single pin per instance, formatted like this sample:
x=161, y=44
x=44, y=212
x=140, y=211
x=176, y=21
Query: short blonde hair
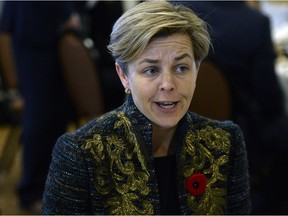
x=133, y=31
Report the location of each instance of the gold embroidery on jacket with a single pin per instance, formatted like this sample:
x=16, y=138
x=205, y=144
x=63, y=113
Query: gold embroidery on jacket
x=198, y=148
x=120, y=173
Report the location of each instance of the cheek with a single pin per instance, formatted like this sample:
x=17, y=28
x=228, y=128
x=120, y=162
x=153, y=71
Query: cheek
x=194, y=82
x=189, y=86
x=142, y=92
x=139, y=90
x=141, y=97
x=141, y=87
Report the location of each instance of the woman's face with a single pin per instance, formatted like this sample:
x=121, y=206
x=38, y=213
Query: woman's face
x=162, y=79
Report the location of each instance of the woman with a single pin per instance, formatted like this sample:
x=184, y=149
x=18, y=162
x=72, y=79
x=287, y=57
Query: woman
x=152, y=156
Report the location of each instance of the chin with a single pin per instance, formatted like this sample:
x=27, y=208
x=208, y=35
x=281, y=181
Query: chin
x=166, y=124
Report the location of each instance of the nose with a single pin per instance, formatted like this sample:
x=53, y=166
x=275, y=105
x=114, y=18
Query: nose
x=167, y=82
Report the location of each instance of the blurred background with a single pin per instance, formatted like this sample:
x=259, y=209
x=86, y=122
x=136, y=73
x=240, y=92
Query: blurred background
x=33, y=93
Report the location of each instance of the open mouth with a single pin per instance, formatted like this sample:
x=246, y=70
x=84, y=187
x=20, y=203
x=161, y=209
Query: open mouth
x=167, y=105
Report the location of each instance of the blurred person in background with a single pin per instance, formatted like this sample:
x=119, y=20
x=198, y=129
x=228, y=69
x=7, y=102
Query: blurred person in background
x=34, y=28
x=11, y=102
x=101, y=17
x=244, y=51
x=106, y=12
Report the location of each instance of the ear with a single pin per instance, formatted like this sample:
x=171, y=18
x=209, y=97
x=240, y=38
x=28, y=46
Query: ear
x=123, y=77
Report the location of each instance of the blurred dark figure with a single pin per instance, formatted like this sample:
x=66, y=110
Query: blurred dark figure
x=243, y=49
x=103, y=15
x=11, y=101
x=35, y=28
x=11, y=106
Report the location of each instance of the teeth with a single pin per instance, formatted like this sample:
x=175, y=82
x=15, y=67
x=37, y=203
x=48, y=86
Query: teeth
x=167, y=105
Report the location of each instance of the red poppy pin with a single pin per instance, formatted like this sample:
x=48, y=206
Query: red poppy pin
x=196, y=184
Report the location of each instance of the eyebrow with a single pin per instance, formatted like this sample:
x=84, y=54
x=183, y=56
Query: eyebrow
x=147, y=60
x=184, y=55
x=153, y=61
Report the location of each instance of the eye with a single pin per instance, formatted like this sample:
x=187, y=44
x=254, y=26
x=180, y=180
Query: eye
x=181, y=68
x=150, y=71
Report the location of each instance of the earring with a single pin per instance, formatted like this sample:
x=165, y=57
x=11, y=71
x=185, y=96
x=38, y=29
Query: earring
x=127, y=91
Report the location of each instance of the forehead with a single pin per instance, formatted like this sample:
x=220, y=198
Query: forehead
x=174, y=43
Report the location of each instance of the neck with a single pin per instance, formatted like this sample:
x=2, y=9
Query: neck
x=162, y=141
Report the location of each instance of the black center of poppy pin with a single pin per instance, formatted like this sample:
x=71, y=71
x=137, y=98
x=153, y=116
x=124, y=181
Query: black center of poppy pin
x=195, y=184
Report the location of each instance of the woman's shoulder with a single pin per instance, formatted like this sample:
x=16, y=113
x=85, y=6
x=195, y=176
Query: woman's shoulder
x=202, y=121
x=224, y=135
x=100, y=126
x=232, y=129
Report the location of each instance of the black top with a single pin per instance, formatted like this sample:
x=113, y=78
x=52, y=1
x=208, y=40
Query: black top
x=165, y=168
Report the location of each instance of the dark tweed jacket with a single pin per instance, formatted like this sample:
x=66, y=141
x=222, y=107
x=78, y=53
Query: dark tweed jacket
x=106, y=167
